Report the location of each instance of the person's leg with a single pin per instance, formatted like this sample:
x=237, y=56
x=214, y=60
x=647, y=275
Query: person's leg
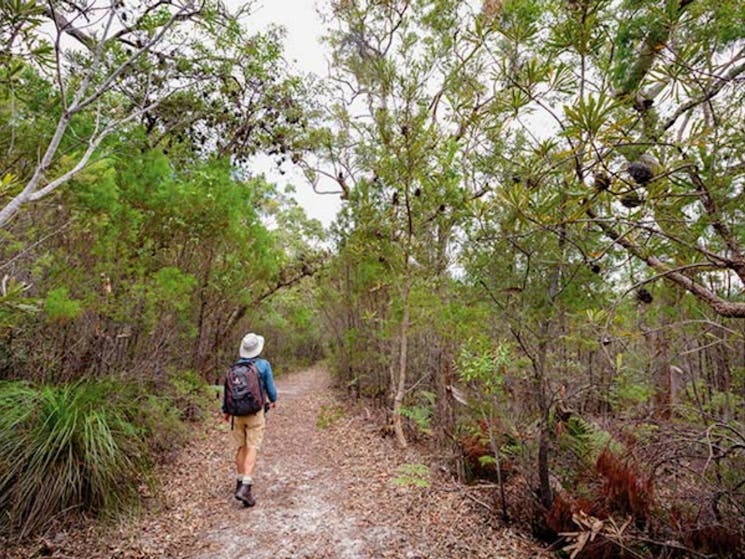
x=240, y=460
x=247, y=466
x=238, y=436
x=255, y=425
x=249, y=461
x=254, y=436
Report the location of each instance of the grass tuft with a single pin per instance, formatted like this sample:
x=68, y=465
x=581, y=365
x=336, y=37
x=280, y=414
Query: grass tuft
x=66, y=447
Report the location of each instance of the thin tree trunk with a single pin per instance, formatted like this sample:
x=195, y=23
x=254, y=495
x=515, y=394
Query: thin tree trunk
x=539, y=369
x=199, y=361
x=401, y=388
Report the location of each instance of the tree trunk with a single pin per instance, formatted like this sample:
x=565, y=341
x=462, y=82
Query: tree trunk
x=539, y=370
x=199, y=358
x=398, y=400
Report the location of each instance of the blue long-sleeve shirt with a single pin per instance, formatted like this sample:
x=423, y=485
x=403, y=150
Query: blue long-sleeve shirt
x=265, y=376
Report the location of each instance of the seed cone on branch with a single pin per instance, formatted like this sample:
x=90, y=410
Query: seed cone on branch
x=644, y=169
x=631, y=200
x=602, y=181
x=644, y=296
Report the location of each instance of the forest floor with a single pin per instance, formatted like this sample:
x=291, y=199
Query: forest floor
x=324, y=489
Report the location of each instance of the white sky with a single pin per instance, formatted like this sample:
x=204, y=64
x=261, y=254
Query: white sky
x=306, y=54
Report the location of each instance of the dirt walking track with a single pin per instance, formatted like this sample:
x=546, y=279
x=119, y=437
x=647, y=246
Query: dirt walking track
x=322, y=492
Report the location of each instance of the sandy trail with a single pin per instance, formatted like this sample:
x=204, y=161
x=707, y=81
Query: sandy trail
x=298, y=489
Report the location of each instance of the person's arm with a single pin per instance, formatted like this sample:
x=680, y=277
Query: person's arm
x=271, y=389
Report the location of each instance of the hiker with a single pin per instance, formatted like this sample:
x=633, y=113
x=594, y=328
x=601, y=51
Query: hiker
x=248, y=384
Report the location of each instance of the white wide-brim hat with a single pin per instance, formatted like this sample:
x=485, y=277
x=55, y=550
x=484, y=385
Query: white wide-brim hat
x=251, y=345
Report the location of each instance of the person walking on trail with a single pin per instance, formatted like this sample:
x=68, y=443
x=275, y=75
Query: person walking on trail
x=249, y=393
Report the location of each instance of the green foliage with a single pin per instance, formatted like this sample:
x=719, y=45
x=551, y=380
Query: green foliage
x=15, y=304
x=717, y=403
x=421, y=414
x=413, y=474
x=629, y=388
x=291, y=321
x=328, y=415
x=21, y=20
x=190, y=395
x=95, y=188
x=59, y=307
x=159, y=419
x=587, y=440
x=67, y=447
x=171, y=288
x=487, y=460
x=484, y=365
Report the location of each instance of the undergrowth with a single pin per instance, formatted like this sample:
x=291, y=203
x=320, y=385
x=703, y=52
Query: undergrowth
x=638, y=490
x=87, y=446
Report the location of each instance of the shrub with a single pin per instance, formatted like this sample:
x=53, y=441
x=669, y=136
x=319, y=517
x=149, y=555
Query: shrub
x=59, y=307
x=421, y=413
x=191, y=395
x=66, y=447
x=478, y=457
x=160, y=423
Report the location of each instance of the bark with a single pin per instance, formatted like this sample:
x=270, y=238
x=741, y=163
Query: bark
x=498, y=464
x=539, y=370
x=661, y=370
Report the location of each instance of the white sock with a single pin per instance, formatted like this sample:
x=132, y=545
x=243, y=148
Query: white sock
x=247, y=480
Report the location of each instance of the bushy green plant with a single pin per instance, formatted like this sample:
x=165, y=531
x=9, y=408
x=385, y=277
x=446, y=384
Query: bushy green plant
x=484, y=365
x=160, y=421
x=66, y=447
x=587, y=440
x=630, y=388
x=58, y=305
x=191, y=395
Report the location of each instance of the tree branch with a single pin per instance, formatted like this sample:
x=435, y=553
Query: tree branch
x=707, y=96
x=720, y=306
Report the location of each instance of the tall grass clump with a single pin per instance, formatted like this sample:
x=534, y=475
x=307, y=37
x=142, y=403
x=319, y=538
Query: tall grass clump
x=64, y=448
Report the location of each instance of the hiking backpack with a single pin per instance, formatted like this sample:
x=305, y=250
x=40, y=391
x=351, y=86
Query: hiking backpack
x=243, y=392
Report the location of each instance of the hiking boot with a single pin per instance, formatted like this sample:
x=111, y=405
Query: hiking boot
x=244, y=494
x=237, y=487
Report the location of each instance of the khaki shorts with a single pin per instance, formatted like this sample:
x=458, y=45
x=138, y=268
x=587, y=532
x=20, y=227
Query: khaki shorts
x=248, y=430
